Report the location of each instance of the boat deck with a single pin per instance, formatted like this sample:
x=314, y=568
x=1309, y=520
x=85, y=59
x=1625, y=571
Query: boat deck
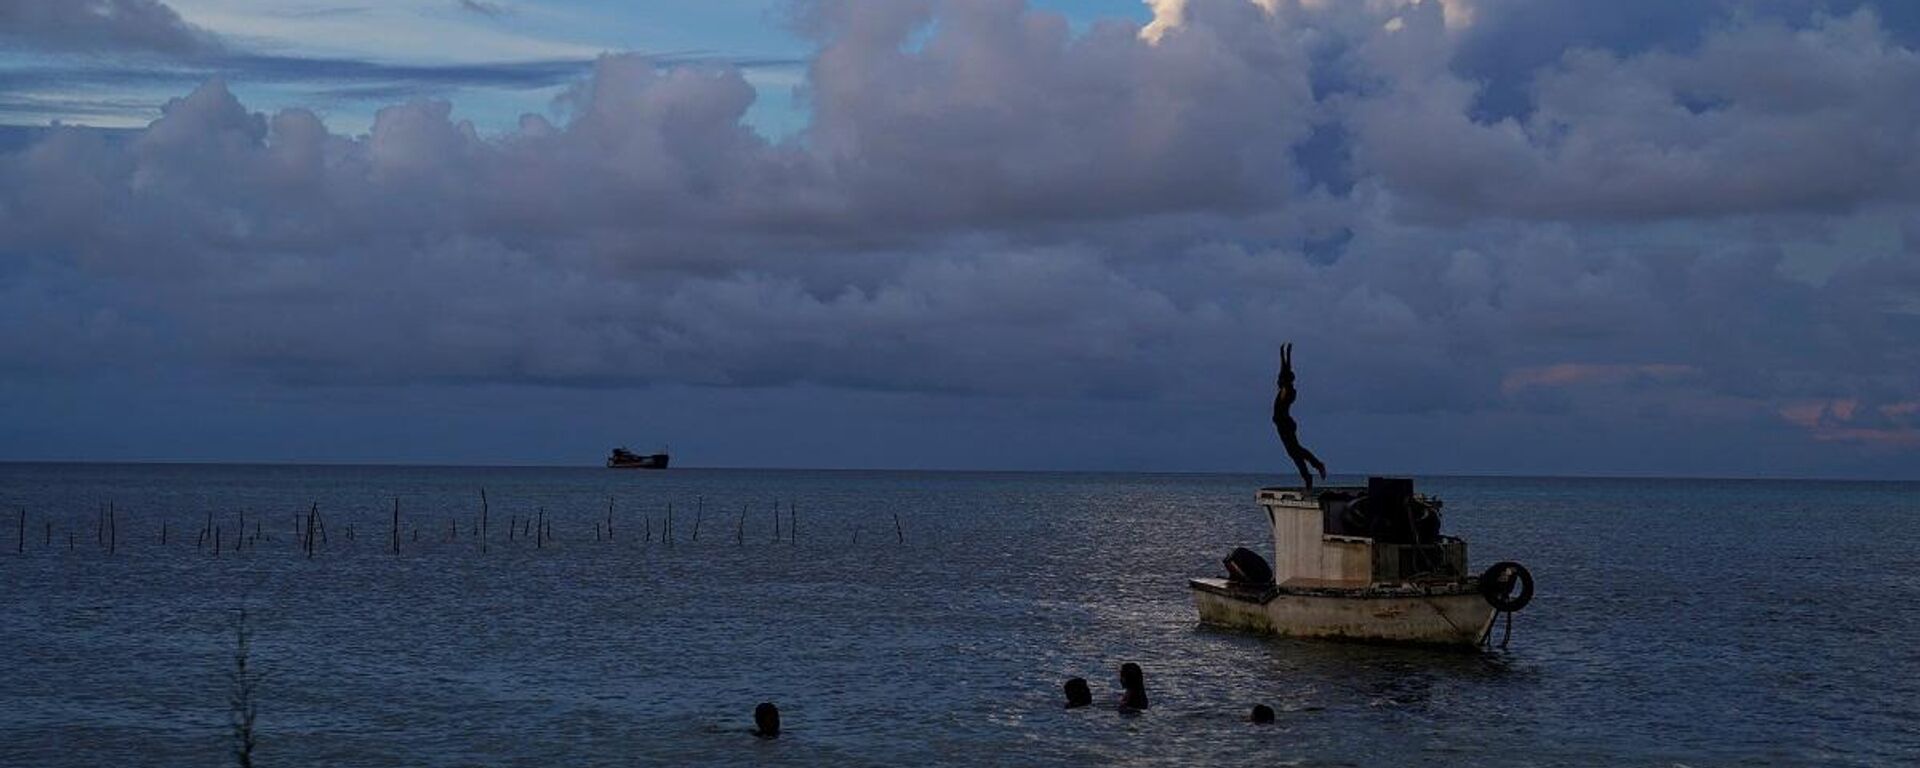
x=1331, y=588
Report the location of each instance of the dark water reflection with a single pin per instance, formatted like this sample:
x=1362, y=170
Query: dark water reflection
x=1704, y=623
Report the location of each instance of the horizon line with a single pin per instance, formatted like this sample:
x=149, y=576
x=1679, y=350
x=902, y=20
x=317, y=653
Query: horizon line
x=1473, y=475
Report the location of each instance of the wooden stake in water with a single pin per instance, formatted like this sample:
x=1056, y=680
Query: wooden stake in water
x=776, y=521
x=163, y=533
x=740, y=534
x=540, y=531
x=241, y=698
x=666, y=533
x=699, y=511
x=396, y=525
x=609, y=518
x=311, y=513
x=793, y=523
x=22, y=548
x=483, y=521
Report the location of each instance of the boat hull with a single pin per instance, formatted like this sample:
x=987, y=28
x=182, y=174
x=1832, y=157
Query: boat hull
x=654, y=461
x=1454, y=614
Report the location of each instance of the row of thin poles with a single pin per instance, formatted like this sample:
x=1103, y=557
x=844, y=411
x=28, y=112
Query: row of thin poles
x=310, y=528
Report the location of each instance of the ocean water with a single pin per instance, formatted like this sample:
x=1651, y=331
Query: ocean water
x=1677, y=622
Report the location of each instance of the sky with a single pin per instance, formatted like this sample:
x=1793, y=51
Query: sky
x=1646, y=237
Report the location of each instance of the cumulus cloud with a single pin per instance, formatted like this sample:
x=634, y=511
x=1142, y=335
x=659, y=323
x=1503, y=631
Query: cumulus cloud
x=1018, y=118
x=1762, y=118
x=986, y=201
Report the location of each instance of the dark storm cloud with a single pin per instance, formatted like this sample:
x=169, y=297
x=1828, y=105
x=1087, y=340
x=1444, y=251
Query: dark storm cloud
x=114, y=26
x=400, y=78
x=987, y=203
x=121, y=43
x=489, y=10
x=275, y=69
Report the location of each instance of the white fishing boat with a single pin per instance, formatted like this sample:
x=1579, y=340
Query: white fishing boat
x=1363, y=563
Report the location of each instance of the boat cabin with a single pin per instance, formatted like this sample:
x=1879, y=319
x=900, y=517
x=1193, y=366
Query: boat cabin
x=1360, y=536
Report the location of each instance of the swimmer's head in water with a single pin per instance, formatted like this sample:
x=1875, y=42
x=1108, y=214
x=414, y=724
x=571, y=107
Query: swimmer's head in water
x=1261, y=714
x=1135, y=684
x=766, y=720
x=1078, y=694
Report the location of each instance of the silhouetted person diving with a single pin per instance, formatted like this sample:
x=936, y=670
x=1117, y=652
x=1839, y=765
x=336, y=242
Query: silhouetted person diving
x=1290, y=430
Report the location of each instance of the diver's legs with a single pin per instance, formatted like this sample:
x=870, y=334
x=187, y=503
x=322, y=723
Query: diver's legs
x=1300, y=463
x=1298, y=454
x=1315, y=461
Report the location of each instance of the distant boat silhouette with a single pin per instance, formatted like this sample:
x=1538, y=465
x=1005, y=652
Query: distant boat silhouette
x=625, y=459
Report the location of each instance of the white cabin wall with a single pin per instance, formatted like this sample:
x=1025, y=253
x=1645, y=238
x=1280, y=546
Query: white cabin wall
x=1302, y=551
x=1296, y=541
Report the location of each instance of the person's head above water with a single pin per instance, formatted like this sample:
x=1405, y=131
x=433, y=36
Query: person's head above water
x=1261, y=714
x=766, y=720
x=1134, y=684
x=1078, y=694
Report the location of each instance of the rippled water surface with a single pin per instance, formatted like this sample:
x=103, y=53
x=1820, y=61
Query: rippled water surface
x=1678, y=622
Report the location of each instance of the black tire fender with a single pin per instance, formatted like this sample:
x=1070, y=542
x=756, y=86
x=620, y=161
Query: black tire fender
x=1507, y=586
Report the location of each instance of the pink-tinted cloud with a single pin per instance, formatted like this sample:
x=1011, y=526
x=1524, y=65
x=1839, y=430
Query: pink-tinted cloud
x=1903, y=409
x=1590, y=374
x=1844, y=420
x=1804, y=415
x=1885, y=437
